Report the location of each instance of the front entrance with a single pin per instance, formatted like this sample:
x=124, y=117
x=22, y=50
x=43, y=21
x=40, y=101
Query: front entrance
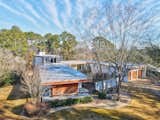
x=65, y=89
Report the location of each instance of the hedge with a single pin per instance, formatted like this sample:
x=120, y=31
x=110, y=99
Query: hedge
x=102, y=95
x=70, y=101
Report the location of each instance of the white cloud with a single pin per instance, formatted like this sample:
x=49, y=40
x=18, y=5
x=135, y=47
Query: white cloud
x=80, y=9
x=18, y=13
x=33, y=11
x=51, y=7
x=68, y=7
x=66, y=15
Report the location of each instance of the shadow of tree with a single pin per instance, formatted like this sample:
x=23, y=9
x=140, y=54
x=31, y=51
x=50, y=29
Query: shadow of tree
x=92, y=114
x=1, y=111
x=17, y=109
x=5, y=117
x=18, y=92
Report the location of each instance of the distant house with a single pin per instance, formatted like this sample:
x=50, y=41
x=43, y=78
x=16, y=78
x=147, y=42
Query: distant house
x=137, y=72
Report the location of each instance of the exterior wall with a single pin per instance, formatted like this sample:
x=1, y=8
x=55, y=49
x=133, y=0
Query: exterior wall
x=129, y=75
x=111, y=83
x=135, y=74
x=65, y=89
x=139, y=73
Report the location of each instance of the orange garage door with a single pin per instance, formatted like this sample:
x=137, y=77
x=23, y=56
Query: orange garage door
x=134, y=75
x=65, y=89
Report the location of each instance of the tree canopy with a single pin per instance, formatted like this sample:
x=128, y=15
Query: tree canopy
x=68, y=43
x=100, y=46
x=14, y=40
x=19, y=42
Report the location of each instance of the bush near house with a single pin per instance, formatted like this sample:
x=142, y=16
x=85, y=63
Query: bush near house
x=70, y=101
x=102, y=95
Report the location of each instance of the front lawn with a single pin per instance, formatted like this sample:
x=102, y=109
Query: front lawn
x=9, y=108
x=143, y=106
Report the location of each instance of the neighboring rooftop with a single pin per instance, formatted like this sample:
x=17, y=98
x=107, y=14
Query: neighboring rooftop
x=76, y=62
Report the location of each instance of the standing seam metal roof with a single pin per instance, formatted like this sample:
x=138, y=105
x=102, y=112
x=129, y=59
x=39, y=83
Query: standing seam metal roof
x=59, y=73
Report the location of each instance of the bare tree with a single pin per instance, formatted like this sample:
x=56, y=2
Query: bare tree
x=10, y=63
x=125, y=24
x=31, y=81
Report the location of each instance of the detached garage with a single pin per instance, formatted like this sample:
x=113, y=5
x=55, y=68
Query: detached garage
x=137, y=73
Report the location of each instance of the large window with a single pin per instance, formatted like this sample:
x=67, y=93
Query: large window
x=46, y=92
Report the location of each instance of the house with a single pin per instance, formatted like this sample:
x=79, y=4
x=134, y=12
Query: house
x=60, y=77
x=57, y=78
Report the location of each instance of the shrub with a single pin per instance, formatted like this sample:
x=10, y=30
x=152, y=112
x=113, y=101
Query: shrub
x=9, y=78
x=76, y=101
x=70, y=101
x=102, y=95
x=86, y=99
x=57, y=103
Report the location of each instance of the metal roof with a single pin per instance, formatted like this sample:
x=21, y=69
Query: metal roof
x=76, y=62
x=47, y=55
x=59, y=73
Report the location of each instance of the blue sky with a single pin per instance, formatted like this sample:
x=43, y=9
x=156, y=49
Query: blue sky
x=55, y=16
x=40, y=16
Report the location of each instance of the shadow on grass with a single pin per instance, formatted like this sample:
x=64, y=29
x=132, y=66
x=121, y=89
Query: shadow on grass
x=6, y=117
x=18, y=92
x=1, y=111
x=92, y=114
x=17, y=109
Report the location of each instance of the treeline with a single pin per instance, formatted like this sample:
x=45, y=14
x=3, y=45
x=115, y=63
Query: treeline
x=19, y=42
x=66, y=45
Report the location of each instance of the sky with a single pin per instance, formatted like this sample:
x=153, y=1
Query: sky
x=56, y=16
x=41, y=16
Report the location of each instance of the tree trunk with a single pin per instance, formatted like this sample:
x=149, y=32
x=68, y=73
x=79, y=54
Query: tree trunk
x=100, y=70
x=118, y=87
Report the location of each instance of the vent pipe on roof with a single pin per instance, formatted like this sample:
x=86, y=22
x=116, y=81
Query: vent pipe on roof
x=41, y=53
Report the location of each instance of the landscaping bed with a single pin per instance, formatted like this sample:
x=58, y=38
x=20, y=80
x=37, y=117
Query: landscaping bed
x=70, y=101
